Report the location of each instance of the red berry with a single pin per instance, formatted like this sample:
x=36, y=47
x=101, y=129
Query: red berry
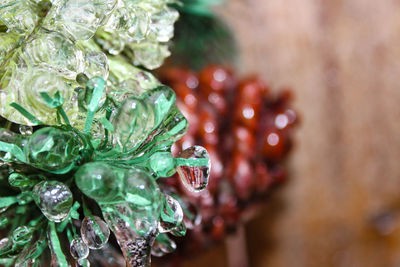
x=186, y=95
x=208, y=126
x=273, y=145
x=247, y=115
x=244, y=141
x=241, y=175
x=218, y=228
x=217, y=169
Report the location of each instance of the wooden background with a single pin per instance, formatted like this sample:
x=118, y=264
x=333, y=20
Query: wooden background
x=342, y=58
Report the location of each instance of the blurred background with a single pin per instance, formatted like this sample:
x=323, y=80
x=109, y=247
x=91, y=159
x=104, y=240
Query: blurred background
x=342, y=60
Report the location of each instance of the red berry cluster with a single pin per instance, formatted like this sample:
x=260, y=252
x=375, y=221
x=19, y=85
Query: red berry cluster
x=247, y=132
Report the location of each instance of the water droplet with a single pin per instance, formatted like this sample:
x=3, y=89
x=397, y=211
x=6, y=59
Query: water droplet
x=162, y=163
x=21, y=181
x=79, y=250
x=156, y=250
x=84, y=263
x=136, y=248
x=25, y=130
x=22, y=235
x=133, y=122
x=171, y=214
x=95, y=232
x=99, y=181
x=81, y=78
x=180, y=230
x=164, y=244
x=97, y=64
x=194, y=178
x=54, y=199
x=192, y=216
x=143, y=197
x=52, y=149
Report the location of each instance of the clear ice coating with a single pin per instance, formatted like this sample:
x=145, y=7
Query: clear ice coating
x=44, y=45
x=94, y=232
x=24, y=17
x=62, y=50
x=54, y=200
x=195, y=178
x=135, y=247
x=79, y=250
x=79, y=18
x=134, y=221
x=171, y=214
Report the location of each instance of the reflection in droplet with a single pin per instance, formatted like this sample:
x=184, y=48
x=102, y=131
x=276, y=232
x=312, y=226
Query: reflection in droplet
x=195, y=178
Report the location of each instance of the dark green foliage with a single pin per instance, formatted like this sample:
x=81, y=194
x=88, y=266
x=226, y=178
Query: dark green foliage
x=201, y=37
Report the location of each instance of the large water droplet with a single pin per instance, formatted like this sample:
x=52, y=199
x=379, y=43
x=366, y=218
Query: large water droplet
x=79, y=250
x=143, y=198
x=132, y=123
x=52, y=149
x=95, y=232
x=195, y=178
x=171, y=214
x=54, y=199
x=99, y=181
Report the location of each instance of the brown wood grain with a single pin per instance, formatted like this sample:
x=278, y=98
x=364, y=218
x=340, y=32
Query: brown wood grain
x=342, y=59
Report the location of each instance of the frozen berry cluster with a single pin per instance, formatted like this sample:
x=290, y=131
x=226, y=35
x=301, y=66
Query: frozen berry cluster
x=247, y=131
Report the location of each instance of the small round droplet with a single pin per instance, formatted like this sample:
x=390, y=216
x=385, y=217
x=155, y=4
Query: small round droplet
x=84, y=263
x=22, y=235
x=162, y=163
x=25, y=130
x=195, y=178
x=79, y=250
x=192, y=216
x=180, y=230
x=156, y=250
x=81, y=78
x=95, y=232
x=21, y=181
x=54, y=200
x=164, y=244
x=171, y=215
